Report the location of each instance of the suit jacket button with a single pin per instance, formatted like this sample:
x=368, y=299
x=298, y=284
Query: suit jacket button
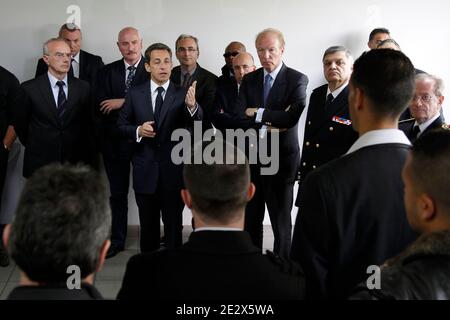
x=314, y=167
x=304, y=164
x=317, y=145
x=309, y=123
x=307, y=143
x=331, y=128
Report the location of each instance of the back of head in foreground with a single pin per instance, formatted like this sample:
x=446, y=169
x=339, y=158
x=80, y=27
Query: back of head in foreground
x=63, y=219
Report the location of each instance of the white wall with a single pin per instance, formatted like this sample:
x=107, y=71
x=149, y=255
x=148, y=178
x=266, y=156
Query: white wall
x=422, y=28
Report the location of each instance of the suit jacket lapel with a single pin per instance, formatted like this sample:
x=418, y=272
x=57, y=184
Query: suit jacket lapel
x=49, y=101
x=147, y=105
x=72, y=98
x=167, y=103
x=82, y=65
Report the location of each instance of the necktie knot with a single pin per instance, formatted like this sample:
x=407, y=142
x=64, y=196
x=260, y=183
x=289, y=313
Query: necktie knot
x=60, y=84
x=160, y=90
x=330, y=99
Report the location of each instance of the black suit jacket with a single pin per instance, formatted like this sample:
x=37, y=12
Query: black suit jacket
x=152, y=156
x=326, y=138
x=111, y=85
x=205, y=90
x=224, y=112
x=212, y=265
x=351, y=216
x=407, y=126
x=225, y=77
x=90, y=65
x=55, y=292
x=9, y=92
x=285, y=104
x=47, y=138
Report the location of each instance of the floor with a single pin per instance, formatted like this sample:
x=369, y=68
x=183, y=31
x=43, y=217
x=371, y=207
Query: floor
x=109, y=279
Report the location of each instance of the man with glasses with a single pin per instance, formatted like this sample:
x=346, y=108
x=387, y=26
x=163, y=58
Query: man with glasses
x=425, y=107
x=52, y=117
x=231, y=51
x=187, y=52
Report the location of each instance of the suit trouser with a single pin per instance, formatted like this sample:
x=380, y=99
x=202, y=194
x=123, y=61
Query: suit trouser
x=255, y=210
x=117, y=167
x=151, y=206
x=279, y=199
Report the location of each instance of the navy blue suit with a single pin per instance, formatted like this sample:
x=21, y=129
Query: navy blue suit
x=116, y=150
x=157, y=181
x=285, y=103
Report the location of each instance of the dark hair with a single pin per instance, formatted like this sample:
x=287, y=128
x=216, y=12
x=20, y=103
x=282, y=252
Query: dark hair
x=430, y=164
x=390, y=40
x=63, y=219
x=218, y=189
x=156, y=46
x=335, y=49
x=387, y=78
x=377, y=31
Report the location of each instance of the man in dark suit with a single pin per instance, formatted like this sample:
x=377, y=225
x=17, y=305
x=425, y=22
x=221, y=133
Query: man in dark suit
x=328, y=131
x=376, y=36
x=187, y=52
x=274, y=97
x=84, y=65
x=224, y=114
x=426, y=107
x=421, y=272
x=152, y=111
x=219, y=262
x=114, y=82
x=59, y=235
x=351, y=213
x=53, y=118
x=9, y=93
x=231, y=51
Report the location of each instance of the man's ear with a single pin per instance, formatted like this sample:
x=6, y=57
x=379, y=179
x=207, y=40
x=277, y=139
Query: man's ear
x=103, y=251
x=147, y=67
x=441, y=100
x=426, y=207
x=5, y=237
x=251, y=191
x=186, y=196
x=359, y=98
x=46, y=59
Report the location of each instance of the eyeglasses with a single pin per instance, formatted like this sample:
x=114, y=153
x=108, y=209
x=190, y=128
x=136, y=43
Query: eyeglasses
x=190, y=49
x=425, y=98
x=230, y=54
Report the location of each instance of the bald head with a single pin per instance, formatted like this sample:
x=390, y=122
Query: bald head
x=243, y=63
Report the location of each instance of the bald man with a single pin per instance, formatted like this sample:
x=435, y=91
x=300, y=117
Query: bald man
x=114, y=82
x=231, y=51
x=227, y=93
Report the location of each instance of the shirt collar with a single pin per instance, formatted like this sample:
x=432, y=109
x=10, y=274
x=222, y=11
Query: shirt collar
x=53, y=80
x=274, y=73
x=337, y=91
x=381, y=136
x=217, y=229
x=154, y=86
x=77, y=57
x=129, y=65
x=425, y=125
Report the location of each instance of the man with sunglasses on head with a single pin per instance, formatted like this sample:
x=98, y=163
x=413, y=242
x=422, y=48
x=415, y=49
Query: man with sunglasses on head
x=231, y=51
x=187, y=52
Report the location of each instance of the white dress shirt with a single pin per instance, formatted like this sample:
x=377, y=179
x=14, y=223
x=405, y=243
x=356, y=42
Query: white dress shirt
x=337, y=91
x=127, y=72
x=380, y=136
x=426, y=124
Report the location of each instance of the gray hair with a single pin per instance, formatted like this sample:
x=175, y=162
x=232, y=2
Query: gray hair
x=186, y=36
x=439, y=86
x=45, y=49
x=335, y=49
x=277, y=32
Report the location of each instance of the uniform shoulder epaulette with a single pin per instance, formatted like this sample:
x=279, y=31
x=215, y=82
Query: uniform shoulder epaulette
x=285, y=265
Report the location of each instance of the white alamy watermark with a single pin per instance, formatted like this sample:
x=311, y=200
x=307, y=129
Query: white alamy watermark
x=74, y=280
x=260, y=149
x=74, y=13
x=374, y=280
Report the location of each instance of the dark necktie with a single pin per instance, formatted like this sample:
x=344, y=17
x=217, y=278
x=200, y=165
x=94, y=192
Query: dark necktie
x=329, y=100
x=131, y=74
x=187, y=80
x=71, y=69
x=267, y=86
x=61, y=98
x=415, y=133
x=158, y=103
